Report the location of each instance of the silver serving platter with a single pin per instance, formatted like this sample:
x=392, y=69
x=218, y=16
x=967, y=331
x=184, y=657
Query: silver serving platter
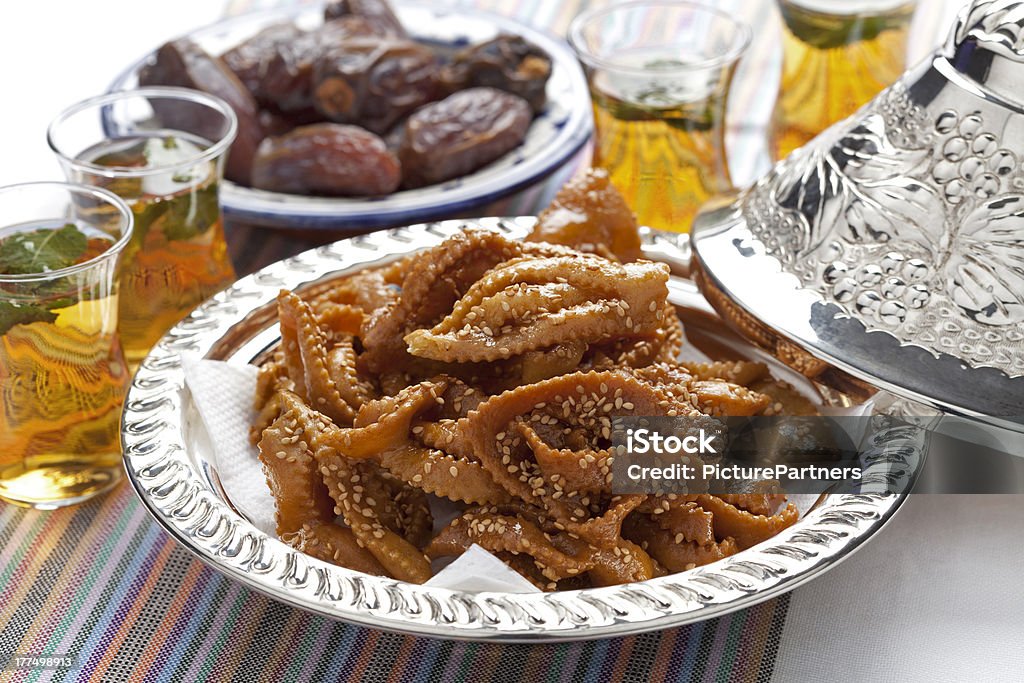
x=170, y=464
x=891, y=247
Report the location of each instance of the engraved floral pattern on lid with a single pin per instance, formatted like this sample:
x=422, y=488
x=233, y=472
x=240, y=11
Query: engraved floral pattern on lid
x=996, y=24
x=910, y=218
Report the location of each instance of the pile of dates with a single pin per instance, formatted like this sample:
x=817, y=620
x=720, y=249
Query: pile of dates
x=355, y=107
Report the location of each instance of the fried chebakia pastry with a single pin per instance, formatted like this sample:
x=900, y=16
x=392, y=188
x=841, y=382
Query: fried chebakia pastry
x=304, y=509
x=536, y=303
x=556, y=554
x=589, y=214
x=487, y=372
x=433, y=283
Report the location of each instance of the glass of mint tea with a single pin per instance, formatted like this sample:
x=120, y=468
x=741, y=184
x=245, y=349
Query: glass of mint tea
x=63, y=375
x=162, y=151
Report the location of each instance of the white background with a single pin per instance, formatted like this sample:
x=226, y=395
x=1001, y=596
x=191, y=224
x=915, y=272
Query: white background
x=53, y=54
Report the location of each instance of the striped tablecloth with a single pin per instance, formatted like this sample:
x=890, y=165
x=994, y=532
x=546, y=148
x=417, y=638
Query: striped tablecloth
x=103, y=586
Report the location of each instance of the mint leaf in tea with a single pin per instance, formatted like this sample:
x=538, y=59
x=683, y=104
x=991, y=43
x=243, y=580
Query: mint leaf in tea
x=182, y=201
x=42, y=251
x=22, y=314
x=28, y=250
x=177, y=256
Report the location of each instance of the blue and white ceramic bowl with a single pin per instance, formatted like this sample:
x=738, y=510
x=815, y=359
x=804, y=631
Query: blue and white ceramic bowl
x=554, y=138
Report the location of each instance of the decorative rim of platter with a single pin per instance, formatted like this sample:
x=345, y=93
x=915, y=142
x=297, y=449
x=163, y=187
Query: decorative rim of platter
x=186, y=498
x=555, y=135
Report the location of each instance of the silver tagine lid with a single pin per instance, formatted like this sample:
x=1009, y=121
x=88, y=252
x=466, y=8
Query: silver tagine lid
x=890, y=249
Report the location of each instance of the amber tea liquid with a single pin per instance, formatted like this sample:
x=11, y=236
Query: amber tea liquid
x=662, y=141
x=63, y=378
x=838, y=54
x=177, y=257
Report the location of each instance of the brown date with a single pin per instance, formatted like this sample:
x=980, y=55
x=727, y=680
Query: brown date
x=461, y=133
x=377, y=12
x=183, y=63
x=507, y=63
x=274, y=123
x=393, y=138
x=249, y=59
x=326, y=159
x=277, y=63
x=374, y=83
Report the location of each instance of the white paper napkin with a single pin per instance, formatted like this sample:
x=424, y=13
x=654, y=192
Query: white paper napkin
x=223, y=394
x=477, y=570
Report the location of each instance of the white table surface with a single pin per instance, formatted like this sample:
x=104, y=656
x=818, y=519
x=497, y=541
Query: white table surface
x=938, y=596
